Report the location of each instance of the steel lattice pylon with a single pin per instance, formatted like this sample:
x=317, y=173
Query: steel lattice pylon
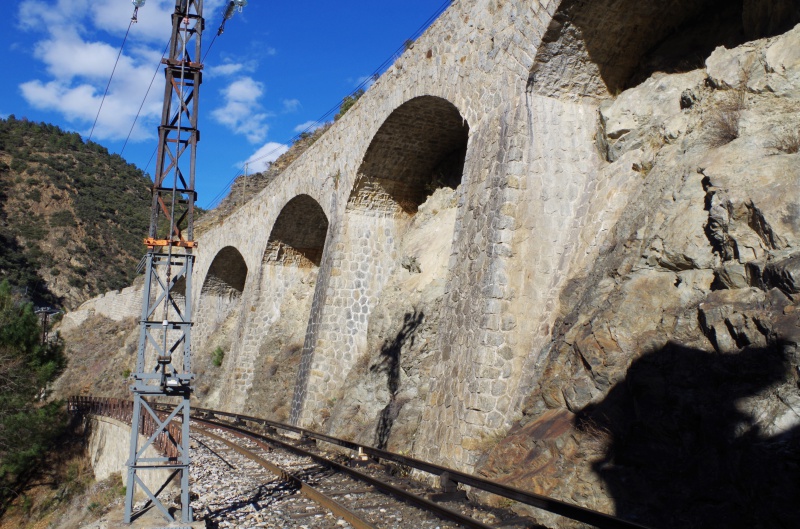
x=163, y=363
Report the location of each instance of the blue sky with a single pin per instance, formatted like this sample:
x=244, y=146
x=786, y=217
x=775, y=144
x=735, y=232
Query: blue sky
x=278, y=67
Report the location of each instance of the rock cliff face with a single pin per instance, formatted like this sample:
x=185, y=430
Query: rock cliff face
x=669, y=390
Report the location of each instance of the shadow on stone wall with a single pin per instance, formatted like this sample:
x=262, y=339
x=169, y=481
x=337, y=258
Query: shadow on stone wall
x=679, y=452
x=389, y=364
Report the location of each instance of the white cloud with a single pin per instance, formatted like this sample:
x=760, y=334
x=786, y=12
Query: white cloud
x=226, y=69
x=308, y=126
x=78, y=62
x=264, y=156
x=67, y=56
x=112, y=16
x=242, y=112
x=154, y=19
x=291, y=105
x=79, y=73
x=79, y=104
x=366, y=80
x=245, y=89
x=229, y=67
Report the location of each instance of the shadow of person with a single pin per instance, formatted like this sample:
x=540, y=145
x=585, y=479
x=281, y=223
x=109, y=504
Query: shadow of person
x=682, y=453
x=389, y=364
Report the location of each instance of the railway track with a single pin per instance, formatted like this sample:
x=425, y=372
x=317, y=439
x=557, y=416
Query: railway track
x=285, y=485
x=253, y=472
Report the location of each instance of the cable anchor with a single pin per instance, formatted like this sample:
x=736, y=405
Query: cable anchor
x=136, y=5
x=233, y=6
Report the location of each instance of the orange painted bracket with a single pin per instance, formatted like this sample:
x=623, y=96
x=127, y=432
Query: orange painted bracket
x=152, y=243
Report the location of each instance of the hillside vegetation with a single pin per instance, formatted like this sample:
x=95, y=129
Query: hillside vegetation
x=28, y=426
x=72, y=216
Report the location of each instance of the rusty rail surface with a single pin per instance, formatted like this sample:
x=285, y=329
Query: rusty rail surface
x=122, y=410
x=305, y=488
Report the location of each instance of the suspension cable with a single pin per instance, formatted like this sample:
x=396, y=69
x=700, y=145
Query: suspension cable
x=158, y=67
x=133, y=20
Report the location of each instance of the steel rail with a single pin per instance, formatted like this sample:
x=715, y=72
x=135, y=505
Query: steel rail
x=562, y=508
x=404, y=495
x=305, y=489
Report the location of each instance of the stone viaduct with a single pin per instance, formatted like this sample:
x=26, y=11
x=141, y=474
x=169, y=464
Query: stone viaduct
x=498, y=100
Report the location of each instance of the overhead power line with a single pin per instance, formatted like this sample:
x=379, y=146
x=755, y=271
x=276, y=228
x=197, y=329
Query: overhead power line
x=119, y=54
x=147, y=93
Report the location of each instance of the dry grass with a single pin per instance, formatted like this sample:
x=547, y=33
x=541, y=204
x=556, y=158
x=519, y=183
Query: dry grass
x=787, y=143
x=723, y=125
x=598, y=438
x=99, y=352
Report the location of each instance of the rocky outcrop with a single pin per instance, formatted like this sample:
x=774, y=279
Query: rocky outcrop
x=673, y=368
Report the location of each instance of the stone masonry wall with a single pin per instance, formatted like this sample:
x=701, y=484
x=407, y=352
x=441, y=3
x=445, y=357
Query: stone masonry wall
x=283, y=296
x=364, y=261
x=477, y=57
x=116, y=305
x=108, y=449
x=536, y=203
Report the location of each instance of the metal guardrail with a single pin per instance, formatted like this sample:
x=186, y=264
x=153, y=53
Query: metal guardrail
x=122, y=410
x=567, y=510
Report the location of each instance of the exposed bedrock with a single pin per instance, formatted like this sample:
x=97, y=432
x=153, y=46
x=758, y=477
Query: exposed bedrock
x=671, y=378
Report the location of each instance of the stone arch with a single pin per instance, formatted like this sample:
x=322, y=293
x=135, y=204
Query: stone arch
x=298, y=235
x=393, y=242
x=282, y=305
x=220, y=296
x=227, y=273
x=598, y=48
x=420, y=147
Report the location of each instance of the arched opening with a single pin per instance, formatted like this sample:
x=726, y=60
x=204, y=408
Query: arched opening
x=420, y=147
x=598, y=48
x=298, y=236
x=227, y=273
x=392, y=265
x=215, y=315
x=278, y=320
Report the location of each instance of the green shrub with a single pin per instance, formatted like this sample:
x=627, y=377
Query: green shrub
x=63, y=218
x=18, y=166
x=347, y=103
x=76, y=281
x=217, y=356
